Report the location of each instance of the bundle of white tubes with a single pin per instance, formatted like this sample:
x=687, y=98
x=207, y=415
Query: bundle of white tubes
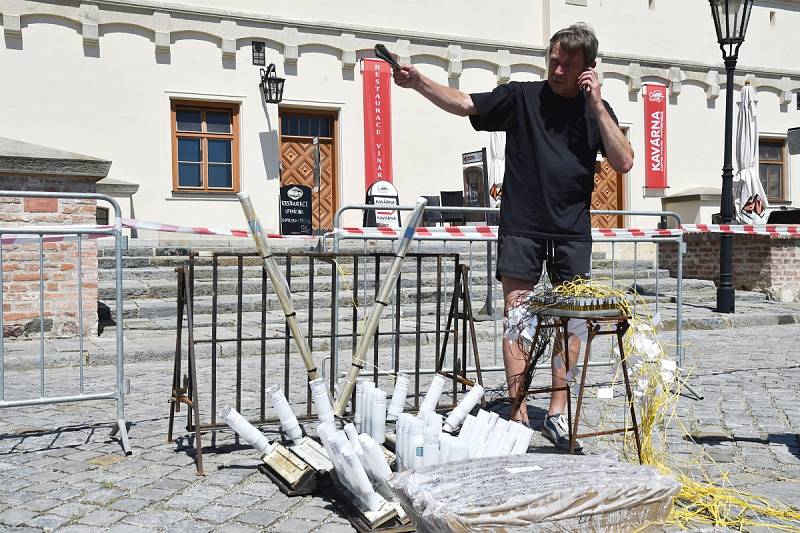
x=421, y=442
x=358, y=460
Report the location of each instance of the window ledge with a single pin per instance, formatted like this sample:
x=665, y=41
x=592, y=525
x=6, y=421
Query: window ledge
x=203, y=196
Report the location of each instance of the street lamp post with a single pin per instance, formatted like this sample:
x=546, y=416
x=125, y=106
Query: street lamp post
x=730, y=20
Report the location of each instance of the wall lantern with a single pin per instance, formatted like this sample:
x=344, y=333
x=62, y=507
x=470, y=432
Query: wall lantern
x=271, y=85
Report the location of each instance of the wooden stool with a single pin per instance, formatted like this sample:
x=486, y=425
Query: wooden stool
x=600, y=322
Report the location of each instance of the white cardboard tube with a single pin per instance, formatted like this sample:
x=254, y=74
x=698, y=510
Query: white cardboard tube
x=249, y=433
x=430, y=436
x=399, y=394
x=289, y=423
x=358, y=412
x=366, y=414
x=376, y=458
x=466, y=429
x=458, y=450
x=357, y=476
x=523, y=441
x=445, y=441
x=319, y=392
x=467, y=403
x=378, y=411
x=432, y=396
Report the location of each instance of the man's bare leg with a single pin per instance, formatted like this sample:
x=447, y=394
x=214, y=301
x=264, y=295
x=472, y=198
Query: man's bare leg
x=558, y=399
x=514, y=293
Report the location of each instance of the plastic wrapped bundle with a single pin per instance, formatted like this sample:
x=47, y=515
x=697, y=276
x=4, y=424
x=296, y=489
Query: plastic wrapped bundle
x=536, y=492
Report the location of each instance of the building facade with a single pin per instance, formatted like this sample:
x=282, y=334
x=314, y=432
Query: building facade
x=169, y=92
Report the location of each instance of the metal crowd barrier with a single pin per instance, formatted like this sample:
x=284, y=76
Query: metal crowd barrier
x=449, y=241
x=42, y=234
x=246, y=321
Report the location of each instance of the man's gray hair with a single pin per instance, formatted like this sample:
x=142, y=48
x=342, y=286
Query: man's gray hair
x=579, y=36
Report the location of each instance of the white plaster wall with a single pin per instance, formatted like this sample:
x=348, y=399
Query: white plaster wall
x=684, y=29
x=466, y=18
x=112, y=100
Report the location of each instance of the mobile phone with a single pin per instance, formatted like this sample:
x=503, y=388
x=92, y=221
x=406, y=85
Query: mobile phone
x=381, y=52
x=585, y=88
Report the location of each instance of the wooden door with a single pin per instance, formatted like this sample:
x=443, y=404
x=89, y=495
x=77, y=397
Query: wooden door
x=608, y=194
x=298, y=129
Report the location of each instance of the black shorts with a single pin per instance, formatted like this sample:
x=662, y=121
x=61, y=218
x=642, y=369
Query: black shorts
x=523, y=257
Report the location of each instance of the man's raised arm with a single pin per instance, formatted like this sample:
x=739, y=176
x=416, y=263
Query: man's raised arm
x=451, y=100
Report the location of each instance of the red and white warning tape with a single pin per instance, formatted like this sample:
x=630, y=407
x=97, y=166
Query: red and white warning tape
x=775, y=230
x=472, y=233
x=481, y=233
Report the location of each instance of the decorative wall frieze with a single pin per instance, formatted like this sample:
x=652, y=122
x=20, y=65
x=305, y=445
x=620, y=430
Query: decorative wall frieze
x=291, y=45
x=348, y=46
x=712, y=84
x=12, y=25
x=454, y=55
x=89, y=15
x=164, y=20
x=503, y=66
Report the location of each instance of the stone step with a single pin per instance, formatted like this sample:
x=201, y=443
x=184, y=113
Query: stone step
x=478, y=271
x=165, y=286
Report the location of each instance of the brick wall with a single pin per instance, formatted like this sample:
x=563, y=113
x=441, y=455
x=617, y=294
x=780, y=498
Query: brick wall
x=760, y=263
x=21, y=266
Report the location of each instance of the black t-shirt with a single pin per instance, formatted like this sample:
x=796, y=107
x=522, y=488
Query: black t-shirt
x=551, y=149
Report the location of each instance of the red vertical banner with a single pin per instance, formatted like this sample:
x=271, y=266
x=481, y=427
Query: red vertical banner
x=655, y=135
x=377, y=80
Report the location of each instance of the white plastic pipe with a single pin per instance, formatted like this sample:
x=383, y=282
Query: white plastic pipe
x=319, y=392
x=432, y=396
x=289, y=423
x=352, y=435
x=249, y=433
x=381, y=301
x=399, y=394
x=278, y=284
x=467, y=403
x=378, y=413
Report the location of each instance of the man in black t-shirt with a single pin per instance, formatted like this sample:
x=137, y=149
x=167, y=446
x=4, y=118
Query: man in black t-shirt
x=554, y=130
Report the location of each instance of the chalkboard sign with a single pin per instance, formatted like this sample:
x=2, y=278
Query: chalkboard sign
x=295, y=210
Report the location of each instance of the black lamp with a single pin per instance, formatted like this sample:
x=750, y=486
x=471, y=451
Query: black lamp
x=271, y=85
x=730, y=20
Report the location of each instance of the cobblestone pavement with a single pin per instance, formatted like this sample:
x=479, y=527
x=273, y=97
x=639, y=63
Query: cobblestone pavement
x=60, y=470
